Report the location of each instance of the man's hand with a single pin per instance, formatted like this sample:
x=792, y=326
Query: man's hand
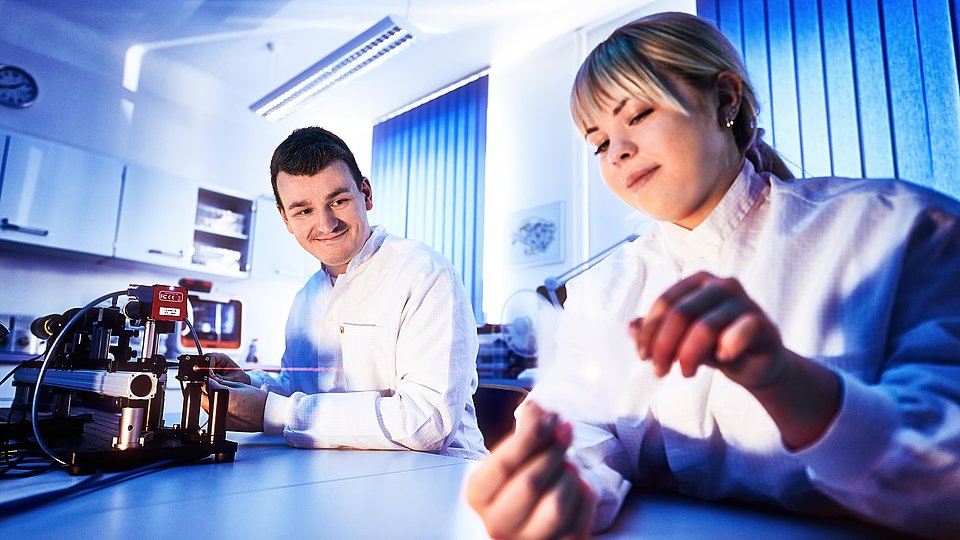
x=705, y=320
x=245, y=412
x=527, y=489
x=225, y=368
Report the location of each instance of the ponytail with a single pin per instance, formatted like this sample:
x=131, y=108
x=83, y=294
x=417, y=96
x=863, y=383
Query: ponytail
x=765, y=159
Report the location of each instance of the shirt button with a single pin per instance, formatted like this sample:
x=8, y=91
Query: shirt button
x=341, y=329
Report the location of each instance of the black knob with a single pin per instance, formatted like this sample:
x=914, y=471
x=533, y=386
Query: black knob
x=48, y=326
x=134, y=310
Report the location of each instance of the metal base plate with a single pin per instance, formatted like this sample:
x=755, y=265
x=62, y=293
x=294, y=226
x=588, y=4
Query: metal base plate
x=93, y=450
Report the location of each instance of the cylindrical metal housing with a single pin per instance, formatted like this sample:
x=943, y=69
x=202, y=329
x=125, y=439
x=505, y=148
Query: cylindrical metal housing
x=150, y=339
x=122, y=384
x=131, y=428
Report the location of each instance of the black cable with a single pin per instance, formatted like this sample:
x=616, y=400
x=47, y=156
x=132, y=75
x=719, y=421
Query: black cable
x=12, y=371
x=20, y=365
x=50, y=353
x=196, y=339
x=40, y=466
x=20, y=467
x=16, y=506
x=93, y=483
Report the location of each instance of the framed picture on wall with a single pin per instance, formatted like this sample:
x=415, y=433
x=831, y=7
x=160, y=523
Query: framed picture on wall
x=535, y=235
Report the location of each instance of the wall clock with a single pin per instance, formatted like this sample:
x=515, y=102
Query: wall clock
x=17, y=88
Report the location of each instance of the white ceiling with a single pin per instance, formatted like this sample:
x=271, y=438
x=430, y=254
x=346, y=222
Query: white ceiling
x=252, y=46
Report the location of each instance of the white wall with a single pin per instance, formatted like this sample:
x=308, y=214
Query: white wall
x=532, y=159
x=535, y=156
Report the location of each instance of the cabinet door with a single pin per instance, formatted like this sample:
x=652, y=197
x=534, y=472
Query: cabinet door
x=276, y=253
x=156, y=218
x=58, y=196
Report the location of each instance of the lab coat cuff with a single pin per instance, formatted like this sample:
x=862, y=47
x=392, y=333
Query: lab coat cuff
x=257, y=378
x=609, y=491
x=865, y=421
x=275, y=413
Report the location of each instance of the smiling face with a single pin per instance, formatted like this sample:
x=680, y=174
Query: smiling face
x=672, y=163
x=327, y=213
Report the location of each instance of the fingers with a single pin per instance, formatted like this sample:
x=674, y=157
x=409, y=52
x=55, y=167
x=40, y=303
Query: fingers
x=653, y=320
x=225, y=383
x=750, y=352
x=246, y=404
x=685, y=322
x=705, y=320
x=526, y=488
x=523, y=493
x=533, y=433
x=210, y=386
x=583, y=523
x=220, y=384
x=216, y=361
x=224, y=367
x=563, y=512
x=700, y=344
x=738, y=337
x=676, y=322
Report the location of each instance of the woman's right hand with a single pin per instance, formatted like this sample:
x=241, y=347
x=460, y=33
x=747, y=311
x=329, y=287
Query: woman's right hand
x=223, y=367
x=527, y=489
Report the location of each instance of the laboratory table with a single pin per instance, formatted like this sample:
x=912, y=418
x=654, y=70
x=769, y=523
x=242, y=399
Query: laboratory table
x=274, y=491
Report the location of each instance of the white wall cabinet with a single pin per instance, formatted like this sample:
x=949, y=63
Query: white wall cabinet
x=176, y=223
x=58, y=196
x=222, y=232
x=65, y=198
x=276, y=252
x=156, y=218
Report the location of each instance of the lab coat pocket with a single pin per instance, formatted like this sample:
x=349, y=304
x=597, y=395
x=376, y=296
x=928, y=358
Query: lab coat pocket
x=361, y=346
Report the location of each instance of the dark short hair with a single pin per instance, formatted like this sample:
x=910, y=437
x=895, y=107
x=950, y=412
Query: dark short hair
x=306, y=152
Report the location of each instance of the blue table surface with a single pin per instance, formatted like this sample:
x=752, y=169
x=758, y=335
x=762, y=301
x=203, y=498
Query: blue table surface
x=274, y=491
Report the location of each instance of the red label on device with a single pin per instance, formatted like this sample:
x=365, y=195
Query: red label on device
x=169, y=303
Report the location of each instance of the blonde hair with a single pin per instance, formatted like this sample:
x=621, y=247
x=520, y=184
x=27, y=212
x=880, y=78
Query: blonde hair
x=638, y=56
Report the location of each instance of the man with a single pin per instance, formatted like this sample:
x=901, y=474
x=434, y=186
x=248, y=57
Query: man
x=381, y=343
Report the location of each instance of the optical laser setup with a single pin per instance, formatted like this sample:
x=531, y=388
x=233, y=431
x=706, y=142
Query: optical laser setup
x=91, y=402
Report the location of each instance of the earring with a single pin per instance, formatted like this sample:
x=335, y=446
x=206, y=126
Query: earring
x=731, y=118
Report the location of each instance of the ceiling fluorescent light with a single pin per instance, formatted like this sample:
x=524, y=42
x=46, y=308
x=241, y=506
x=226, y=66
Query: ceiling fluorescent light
x=363, y=52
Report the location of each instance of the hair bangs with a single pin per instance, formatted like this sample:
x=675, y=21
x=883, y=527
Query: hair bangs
x=614, y=72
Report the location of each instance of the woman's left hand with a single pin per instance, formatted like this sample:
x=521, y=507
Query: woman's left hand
x=706, y=320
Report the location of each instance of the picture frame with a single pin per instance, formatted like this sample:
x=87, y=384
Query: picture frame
x=536, y=236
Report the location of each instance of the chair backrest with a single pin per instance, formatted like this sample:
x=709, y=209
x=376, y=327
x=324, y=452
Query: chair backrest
x=495, y=404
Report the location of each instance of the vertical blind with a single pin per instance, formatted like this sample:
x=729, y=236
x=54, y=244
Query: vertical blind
x=428, y=174
x=854, y=87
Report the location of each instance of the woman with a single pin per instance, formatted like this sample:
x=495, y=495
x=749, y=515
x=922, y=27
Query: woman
x=801, y=337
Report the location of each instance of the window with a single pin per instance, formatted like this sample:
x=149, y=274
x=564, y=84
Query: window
x=427, y=174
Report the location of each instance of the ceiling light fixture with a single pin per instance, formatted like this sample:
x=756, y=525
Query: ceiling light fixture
x=370, y=48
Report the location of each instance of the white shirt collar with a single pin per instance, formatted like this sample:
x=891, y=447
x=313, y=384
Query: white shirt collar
x=377, y=235
x=730, y=212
